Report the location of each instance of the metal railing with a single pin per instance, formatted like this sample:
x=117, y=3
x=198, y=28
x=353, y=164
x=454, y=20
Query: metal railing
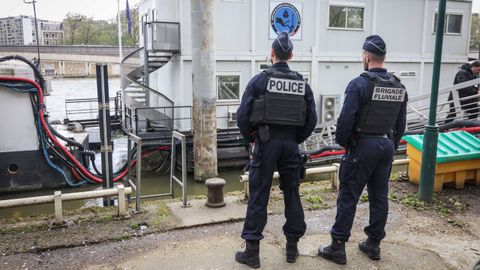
x=180, y=118
x=137, y=186
x=333, y=169
x=183, y=182
x=138, y=177
x=161, y=40
x=449, y=108
x=87, y=108
x=58, y=198
x=455, y=109
x=134, y=91
x=162, y=36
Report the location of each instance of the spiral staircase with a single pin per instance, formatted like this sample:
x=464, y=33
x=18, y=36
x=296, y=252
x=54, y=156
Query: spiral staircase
x=147, y=112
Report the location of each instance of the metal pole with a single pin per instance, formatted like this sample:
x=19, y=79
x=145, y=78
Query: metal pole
x=429, y=155
x=119, y=22
x=129, y=161
x=36, y=30
x=36, y=33
x=146, y=73
x=105, y=128
x=184, y=171
x=204, y=94
x=139, y=175
x=172, y=164
x=120, y=55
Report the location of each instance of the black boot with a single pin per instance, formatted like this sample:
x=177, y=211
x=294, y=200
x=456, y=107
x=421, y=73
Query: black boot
x=335, y=252
x=371, y=248
x=292, y=251
x=250, y=256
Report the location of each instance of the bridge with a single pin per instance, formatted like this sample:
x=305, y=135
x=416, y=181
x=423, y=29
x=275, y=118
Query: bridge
x=73, y=60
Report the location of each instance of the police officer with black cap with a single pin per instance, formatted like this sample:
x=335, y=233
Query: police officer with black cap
x=276, y=114
x=370, y=126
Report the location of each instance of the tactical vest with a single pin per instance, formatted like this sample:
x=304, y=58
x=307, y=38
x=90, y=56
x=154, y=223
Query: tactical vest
x=379, y=114
x=284, y=100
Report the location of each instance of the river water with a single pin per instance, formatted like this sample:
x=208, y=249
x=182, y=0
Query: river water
x=151, y=183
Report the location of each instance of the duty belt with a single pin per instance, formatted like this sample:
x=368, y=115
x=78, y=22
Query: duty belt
x=283, y=132
x=370, y=135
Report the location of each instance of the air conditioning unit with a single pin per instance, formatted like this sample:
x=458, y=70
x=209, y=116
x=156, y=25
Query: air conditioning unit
x=329, y=106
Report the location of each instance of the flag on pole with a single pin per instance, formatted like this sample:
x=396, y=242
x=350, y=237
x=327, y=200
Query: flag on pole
x=129, y=19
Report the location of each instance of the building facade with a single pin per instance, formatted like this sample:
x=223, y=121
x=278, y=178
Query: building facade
x=52, y=33
x=20, y=30
x=327, y=37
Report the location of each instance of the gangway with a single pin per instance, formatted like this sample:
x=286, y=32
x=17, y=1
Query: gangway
x=450, y=115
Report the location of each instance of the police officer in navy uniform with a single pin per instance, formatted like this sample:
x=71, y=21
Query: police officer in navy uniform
x=276, y=114
x=370, y=126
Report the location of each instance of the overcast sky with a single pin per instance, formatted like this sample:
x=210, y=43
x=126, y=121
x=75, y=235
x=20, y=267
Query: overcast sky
x=99, y=9
x=56, y=10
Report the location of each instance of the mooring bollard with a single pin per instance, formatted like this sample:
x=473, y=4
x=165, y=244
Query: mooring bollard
x=215, y=192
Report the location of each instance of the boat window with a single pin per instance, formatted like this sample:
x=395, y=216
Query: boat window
x=228, y=87
x=346, y=17
x=453, y=24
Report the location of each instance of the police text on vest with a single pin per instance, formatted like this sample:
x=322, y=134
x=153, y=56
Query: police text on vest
x=388, y=94
x=285, y=86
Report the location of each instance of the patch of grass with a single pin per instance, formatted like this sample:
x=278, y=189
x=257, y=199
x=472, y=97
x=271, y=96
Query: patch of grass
x=315, y=202
x=135, y=226
x=197, y=197
x=394, y=177
x=314, y=199
x=315, y=207
x=446, y=206
x=163, y=210
x=455, y=222
x=235, y=193
x=364, y=197
x=412, y=201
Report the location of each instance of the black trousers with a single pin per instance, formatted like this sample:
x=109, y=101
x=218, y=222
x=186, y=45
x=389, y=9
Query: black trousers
x=368, y=163
x=283, y=155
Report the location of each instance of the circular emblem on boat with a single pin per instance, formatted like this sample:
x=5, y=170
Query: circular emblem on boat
x=285, y=18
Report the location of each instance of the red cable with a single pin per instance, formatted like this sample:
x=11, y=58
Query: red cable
x=75, y=174
x=50, y=135
x=329, y=153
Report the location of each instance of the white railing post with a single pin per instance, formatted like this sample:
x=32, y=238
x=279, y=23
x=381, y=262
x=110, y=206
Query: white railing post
x=122, y=211
x=58, y=207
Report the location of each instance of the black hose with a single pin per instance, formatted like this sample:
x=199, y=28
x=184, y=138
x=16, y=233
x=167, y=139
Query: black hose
x=38, y=74
x=447, y=126
x=459, y=123
x=334, y=147
x=63, y=138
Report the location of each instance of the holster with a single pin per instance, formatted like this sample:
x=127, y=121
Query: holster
x=264, y=133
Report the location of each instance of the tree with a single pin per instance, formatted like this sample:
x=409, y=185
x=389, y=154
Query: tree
x=87, y=30
x=80, y=29
x=71, y=24
x=130, y=39
x=475, y=32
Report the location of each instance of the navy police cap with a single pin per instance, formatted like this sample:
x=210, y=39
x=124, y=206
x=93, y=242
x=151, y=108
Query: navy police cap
x=375, y=44
x=283, y=43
